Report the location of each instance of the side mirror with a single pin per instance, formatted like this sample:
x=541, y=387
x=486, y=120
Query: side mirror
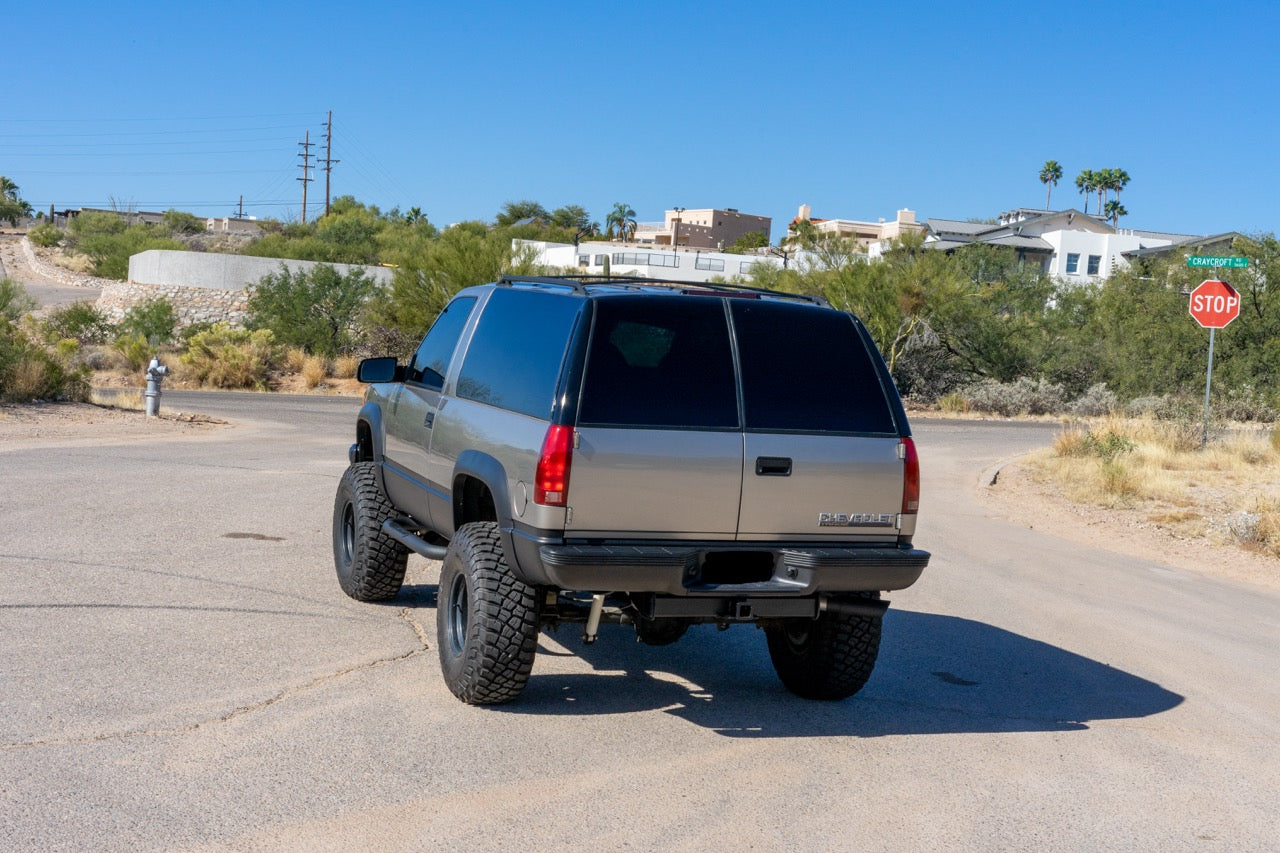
x=382, y=369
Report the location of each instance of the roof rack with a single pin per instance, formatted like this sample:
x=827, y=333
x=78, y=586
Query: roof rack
x=580, y=283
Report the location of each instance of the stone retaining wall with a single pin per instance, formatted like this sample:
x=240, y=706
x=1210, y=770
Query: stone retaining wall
x=192, y=304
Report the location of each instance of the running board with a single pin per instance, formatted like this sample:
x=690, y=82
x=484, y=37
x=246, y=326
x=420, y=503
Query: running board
x=415, y=543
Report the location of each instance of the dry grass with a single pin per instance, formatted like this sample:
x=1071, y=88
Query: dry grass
x=294, y=359
x=124, y=399
x=1231, y=487
x=344, y=367
x=315, y=370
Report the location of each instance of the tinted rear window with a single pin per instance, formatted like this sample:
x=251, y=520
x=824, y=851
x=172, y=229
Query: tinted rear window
x=661, y=362
x=514, y=358
x=807, y=369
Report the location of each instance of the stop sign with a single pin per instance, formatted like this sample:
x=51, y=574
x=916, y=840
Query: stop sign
x=1214, y=304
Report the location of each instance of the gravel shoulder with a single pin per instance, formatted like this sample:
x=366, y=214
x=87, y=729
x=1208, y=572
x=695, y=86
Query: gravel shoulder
x=34, y=424
x=1018, y=497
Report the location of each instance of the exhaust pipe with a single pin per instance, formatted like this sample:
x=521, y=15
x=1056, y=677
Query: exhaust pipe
x=854, y=607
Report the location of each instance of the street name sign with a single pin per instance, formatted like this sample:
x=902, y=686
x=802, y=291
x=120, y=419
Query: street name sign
x=1228, y=261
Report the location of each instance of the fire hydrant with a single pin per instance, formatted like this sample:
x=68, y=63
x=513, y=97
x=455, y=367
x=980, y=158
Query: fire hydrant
x=156, y=372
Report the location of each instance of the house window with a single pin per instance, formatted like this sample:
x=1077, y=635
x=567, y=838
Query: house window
x=1073, y=262
x=712, y=264
x=599, y=260
x=1095, y=261
x=584, y=260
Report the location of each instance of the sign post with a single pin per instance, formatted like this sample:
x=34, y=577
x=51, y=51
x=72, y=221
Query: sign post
x=1214, y=304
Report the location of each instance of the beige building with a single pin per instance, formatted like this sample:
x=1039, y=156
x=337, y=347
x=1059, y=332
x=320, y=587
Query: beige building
x=867, y=234
x=706, y=228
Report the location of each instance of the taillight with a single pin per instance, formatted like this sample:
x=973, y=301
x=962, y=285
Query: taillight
x=911, y=477
x=551, y=483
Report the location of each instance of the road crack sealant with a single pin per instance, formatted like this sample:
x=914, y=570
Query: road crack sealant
x=241, y=711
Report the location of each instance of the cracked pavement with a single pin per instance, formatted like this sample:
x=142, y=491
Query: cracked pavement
x=179, y=671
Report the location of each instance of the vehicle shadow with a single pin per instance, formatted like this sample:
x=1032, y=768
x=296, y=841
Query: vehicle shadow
x=936, y=675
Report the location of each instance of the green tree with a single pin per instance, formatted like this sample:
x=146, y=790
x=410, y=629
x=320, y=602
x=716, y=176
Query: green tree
x=1085, y=184
x=314, y=309
x=745, y=243
x=621, y=221
x=1050, y=174
x=1114, y=210
x=571, y=216
x=178, y=222
x=517, y=211
x=153, y=320
x=12, y=205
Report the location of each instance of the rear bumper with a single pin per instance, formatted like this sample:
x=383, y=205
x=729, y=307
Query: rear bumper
x=781, y=569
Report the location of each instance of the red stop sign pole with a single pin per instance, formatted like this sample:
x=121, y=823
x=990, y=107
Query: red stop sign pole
x=1214, y=304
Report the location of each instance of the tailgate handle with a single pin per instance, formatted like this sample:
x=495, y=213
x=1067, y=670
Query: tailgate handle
x=773, y=466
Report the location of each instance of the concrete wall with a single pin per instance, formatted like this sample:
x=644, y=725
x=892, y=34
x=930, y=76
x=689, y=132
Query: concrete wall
x=204, y=287
x=166, y=267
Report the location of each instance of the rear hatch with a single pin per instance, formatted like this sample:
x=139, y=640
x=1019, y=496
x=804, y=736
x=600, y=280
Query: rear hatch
x=797, y=441
x=821, y=457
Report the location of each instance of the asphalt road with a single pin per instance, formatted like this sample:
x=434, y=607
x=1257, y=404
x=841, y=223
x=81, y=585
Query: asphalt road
x=46, y=292
x=179, y=670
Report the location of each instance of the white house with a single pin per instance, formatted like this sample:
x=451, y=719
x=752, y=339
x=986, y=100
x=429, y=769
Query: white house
x=645, y=260
x=1067, y=244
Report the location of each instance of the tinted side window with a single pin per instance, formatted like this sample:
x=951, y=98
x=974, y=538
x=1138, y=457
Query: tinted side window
x=662, y=361
x=515, y=355
x=807, y=369
x=431, y=362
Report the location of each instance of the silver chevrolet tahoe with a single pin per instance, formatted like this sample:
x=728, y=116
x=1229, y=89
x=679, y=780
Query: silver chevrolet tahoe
x=645, y=453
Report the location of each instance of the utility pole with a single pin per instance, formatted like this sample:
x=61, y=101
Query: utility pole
x=240, y=210
x=328, y=160
x=306, y=172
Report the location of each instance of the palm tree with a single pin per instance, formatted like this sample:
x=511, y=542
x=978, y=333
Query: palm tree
x=1102, y=183
x=1084, y=183
x=1115, y=210
x=621, y=220
x=1119, y=180
x=1049, y=176
x=414, y=216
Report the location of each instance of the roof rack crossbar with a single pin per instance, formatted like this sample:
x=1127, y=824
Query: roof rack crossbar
x=580, y=283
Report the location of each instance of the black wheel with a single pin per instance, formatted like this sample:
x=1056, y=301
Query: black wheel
x=370, y=564
x=486, y=621
x=830, y=657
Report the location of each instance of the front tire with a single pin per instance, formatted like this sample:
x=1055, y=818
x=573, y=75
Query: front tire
x=830, y=657
x=369, y=563
x=486, y=619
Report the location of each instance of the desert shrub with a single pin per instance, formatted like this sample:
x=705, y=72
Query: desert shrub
x=344, y=366
x=135, y=349
x=1095, y=401
x=46, y=235
x=1118, y=479
x=186, y=333
x=1107, y=446
x=315, y=370
x=313, y=309
x=294, y=359
x=153, y=320
x=1023, y=396
x=79, y=320
x=1243, y=403
x=225, y=357
x=953, y=403
x=379, y=340
x=31, y=369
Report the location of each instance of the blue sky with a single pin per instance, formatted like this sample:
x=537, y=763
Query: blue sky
x=857, y=109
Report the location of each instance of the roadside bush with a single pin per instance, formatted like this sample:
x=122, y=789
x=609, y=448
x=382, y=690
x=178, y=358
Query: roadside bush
x=79, y=320
x=1023, y=396
x=225, y=357
x=1243, y=403
x=46, y=235
x=313, y=309
x=953, y=404
x=1094, y=402
x=344, y=367
x=153, y=320
x=135, y=349
x=29, y=368
x=315, y=370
